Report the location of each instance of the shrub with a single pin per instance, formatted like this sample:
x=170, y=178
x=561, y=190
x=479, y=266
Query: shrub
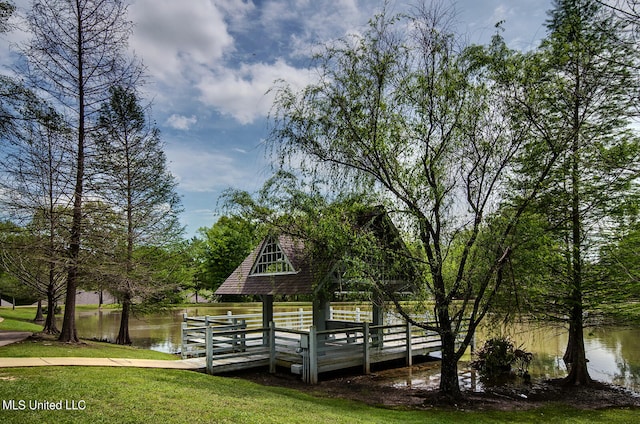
x=498, y=359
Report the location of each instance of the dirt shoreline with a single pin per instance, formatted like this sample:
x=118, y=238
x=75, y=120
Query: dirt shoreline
x=375, y=390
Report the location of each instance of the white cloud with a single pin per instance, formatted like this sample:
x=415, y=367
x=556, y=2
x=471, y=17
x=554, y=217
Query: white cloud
x=190, y=44
x=171, y=36
x=181, y=122
x=243, y=93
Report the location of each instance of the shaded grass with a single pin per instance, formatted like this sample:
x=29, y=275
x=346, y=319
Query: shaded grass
x=146, y=395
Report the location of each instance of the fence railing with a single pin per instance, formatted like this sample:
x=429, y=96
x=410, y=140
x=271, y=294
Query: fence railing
x=296, y=343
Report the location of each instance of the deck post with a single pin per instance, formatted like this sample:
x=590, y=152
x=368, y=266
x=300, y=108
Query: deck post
x=272, y=347
x=209, y=349
x=313, y=355
x=378, y=320
x=409, y=346
x=183, y=347
x=367, y=351
x=304, y=352
x=267, y=315
x=234, y=337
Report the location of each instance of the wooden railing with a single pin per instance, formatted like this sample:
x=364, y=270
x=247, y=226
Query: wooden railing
x=232, y=343
x=194, y=328
x=330, y=350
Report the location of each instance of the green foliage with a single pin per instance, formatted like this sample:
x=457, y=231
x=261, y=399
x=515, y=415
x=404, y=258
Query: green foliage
x=582, y=109
x=218, y=250
x=496, y=359
x=618, y=267
x=423, y=126
x=139, y=225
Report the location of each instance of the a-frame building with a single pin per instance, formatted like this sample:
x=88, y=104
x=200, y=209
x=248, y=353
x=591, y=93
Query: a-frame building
x=280, y=265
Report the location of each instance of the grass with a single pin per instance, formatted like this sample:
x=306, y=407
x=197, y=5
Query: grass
x=126, y=395
x=129, y=395
x=50, y=347
x=19, y=319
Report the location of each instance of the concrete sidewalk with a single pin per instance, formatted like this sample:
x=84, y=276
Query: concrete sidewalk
x=7, y=337
x=184, y=364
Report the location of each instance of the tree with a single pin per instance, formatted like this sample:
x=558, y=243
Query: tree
x=222, y=248
x=416, y=119
x=35, y=170
x=9, y=89
x=135, y=182
x=27, y=257
x=6, y=10
x=619, y=265
x=76, y=53
x=589, y=107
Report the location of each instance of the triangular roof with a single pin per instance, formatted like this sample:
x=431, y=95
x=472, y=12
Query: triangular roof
x=306, y=275
x=246, y=280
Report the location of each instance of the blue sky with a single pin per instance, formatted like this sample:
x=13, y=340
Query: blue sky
x=211, y=62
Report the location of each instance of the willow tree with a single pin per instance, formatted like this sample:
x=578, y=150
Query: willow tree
x=405, y=112
x=76, y=52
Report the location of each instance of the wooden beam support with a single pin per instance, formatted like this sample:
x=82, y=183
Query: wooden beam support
x=366, y=347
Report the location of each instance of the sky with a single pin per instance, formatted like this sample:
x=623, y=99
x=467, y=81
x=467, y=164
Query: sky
x=210, y=64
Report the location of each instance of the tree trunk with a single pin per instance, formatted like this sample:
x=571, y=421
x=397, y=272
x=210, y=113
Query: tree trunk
x=123, y=334
x=575, y=355
x=449, y=385
x=69, y=332
x=50, y=326
x=39, y=316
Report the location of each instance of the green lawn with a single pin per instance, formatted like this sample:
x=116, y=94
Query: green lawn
x=127, y=395
x=90, y=349
x=20, y=319
x=130, y=395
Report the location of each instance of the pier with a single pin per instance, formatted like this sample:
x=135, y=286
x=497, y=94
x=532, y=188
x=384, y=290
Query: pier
x=231, y=343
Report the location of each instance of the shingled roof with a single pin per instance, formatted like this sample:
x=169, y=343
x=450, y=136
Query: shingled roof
x=300, y=279
x=294, y=272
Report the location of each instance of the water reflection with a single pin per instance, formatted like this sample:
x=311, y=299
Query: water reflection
x=613, y=352
x=159, y=331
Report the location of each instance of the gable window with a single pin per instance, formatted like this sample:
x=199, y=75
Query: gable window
x=272, y=260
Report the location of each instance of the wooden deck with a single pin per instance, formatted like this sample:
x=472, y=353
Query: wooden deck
x=231, y=346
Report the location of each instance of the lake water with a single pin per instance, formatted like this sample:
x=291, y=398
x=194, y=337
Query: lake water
x=613, y=352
